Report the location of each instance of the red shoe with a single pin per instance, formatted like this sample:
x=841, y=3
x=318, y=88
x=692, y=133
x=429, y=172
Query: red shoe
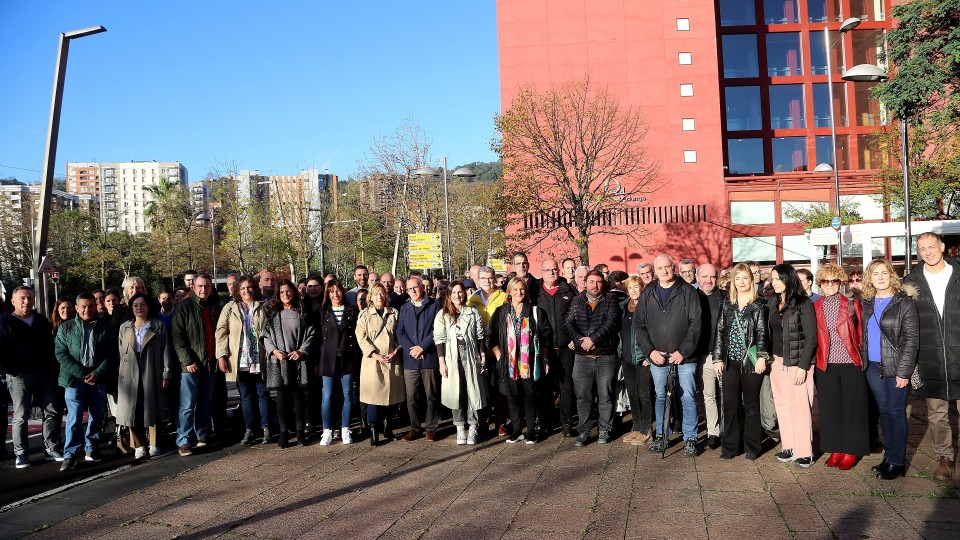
x=411, y=435
x=847, y=462
x=834, y=459
x=430, y=436
x=502, y=431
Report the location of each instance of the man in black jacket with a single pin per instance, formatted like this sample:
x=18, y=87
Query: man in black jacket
x=554, y=298
x=593, y=323
x=710, y=300
x=31, y=369
x=668, y=329
x=938, y=304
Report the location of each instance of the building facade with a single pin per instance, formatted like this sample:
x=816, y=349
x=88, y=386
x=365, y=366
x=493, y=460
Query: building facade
x=121, y=187
x=735, y=96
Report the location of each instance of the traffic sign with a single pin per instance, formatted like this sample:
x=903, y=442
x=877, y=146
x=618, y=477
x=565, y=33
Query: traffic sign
x=423, y=237
x=835, y=222
x=429, y=265
x=46, y=266
x=424, y=257
x=499, y=265
x=421, y=247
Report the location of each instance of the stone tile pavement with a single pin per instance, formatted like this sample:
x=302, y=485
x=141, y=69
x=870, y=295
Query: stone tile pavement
x=548, y=490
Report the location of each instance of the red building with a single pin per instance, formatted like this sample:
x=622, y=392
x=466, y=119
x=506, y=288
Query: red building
x=735, y=95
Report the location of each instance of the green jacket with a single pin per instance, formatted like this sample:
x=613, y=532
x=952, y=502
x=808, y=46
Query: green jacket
x=69, y=345
x=187, y=329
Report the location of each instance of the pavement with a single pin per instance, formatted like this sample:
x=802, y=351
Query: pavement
x=495, y=490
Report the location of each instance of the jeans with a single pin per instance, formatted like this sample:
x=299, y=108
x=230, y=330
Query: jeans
x=687, y=389
x=251, y=385
x=345, y=383
x=25, y=390
x=586, y=370
x=81, y=397
x=892, y=402
x=196, y=397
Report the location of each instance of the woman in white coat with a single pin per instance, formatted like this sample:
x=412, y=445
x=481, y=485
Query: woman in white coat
x=458, y=334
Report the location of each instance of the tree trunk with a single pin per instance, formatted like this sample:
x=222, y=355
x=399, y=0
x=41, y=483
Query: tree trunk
x=584, y=245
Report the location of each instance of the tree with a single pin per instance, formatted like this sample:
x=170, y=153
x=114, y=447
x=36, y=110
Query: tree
x=573, y=156
x=820, y=215
x=171, y=220
x=924, y=49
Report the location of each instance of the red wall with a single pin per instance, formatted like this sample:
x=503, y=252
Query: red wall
x=632, y=47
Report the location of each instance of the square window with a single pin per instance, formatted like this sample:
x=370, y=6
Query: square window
x=683, y=25
x=685, y=58
x=689, y=156
x=688, y=124
x=686, y=90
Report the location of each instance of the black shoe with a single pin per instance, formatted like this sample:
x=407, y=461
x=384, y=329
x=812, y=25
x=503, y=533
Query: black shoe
x=659, y=444
x=751, y=456
x=690, y=447
x=93, y=456
x=301, y=438
x=713, y=442
x=69, y=464
x=387, y=432
x=804, y=462
x=582, y=440
x=882, y=466
x=568, y=432
x=282, y=441
x=892, y=471
x=726, y=455
x=785, y=456
x=374, y=435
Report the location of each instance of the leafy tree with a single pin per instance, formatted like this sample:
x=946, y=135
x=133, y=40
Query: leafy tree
x=572, y=156
x=820, y=215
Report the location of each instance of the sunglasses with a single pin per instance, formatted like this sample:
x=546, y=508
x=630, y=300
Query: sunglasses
x=856, y=280
x=834, y=282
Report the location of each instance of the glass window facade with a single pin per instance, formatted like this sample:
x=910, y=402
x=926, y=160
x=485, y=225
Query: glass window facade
x=818, y=56
x=789, y=154
x=780, y=11
x=868, y=109
x=762, y=249
x=796, y=248
x=743, y=108
x=788, y=207
x=819, y=11
x=868, y=10
x=871, y=152
x=867, y=46
x=784, y=56
x=824, y=154
x=745, y=156
x=752, y=212
x=786, y=106
x=740, y=56
x=821, y=104
x=737, y=13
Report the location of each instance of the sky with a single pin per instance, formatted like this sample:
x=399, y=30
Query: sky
x=273, y=86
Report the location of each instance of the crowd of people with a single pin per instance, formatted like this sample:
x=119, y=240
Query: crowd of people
x=511, y=356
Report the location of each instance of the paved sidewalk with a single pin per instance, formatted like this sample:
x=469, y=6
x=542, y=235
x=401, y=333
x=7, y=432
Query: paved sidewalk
x=548, y=490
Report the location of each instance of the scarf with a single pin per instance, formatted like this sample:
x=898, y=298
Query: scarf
x=248, y=342
x=518, y=358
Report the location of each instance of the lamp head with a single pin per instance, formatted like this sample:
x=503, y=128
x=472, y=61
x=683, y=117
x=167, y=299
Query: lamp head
x=865, y=73
x=464, y=172
x=850, y=24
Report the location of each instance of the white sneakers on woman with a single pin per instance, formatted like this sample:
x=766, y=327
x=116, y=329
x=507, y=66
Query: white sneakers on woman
x=326, y=438
x=461, y=435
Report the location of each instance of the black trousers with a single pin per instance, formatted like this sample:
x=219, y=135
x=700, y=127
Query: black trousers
x=639, y=389
x=527, y=399
x=298, y=395
x=218, y=407
x=741, y=418
x=842, y=392
x=562, y=371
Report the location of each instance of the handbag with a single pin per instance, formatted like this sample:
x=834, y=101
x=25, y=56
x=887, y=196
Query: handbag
x=915, y=381
x=751, y=356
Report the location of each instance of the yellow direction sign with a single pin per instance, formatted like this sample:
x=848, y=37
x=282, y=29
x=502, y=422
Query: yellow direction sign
x=425, y=265
x=426, y=257
x=423, y=237
x=421, y=247
x=499, y=265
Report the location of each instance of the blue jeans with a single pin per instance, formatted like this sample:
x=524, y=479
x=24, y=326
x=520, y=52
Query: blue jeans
x=345, y=384
x=250, y=385
x=196, y=397
x=686, y=378
x=81, y=397
x=892, y=403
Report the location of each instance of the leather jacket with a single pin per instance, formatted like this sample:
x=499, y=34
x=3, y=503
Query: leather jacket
x=900, y=339
x=755, y=321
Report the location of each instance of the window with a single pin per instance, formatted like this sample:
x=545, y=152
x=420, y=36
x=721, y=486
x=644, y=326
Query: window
x=866, y=205
x=872, y=154
x=796, y=247
x=752, y=212
x=867, y=46
x=868, y=109
x=787, y=207
x=683, y=25
x=789, y=154
x=686, y=90
x=818, y=56
x=867, y=10
x=685, y=58
x=762, y=249
x=737, y=13
x=745, y=156
x=824, y=155
x=740, y=56
x=781, y=11
x=743, y=108
x=821, y=104
x=689, y=156
x=819, y=11
x=688, y=124
x=786, y=106
x=783, y=54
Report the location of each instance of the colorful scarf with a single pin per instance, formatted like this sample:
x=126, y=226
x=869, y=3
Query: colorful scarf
x=518, y=359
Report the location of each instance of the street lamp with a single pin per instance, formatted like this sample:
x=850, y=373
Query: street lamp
x=50, y=156
x=213, y=242
x=462, y=172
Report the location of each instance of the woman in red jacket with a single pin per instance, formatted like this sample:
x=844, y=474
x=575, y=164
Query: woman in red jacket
x=841, y=383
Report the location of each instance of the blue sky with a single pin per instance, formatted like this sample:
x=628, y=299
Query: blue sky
x=274, y=86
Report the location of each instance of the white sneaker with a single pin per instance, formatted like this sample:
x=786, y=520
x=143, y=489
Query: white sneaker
x=472, y=435
x=347, y=437
x=327, y=437
x=461, y=435
x=140, y=452
x=154, y=451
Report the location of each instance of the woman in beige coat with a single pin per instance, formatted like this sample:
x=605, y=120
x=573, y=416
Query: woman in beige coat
x=240, y=354
x=146, y=361
x=381, y=370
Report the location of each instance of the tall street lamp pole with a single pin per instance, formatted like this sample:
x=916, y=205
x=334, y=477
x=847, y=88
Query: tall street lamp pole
x=50, y=157
x=462, y=172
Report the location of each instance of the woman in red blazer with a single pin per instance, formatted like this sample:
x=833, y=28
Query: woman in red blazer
x=841, y=383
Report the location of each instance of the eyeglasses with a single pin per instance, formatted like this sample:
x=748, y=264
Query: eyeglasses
x=856, y=280
x=833, y=282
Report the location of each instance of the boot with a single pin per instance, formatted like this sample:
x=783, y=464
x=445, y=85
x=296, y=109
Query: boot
x=282, y=438
x=944, y=471
x=301, y=438
x=877, y=468
x=387, y=432
x=847, y=462
x=892, y=472
x=374, y=435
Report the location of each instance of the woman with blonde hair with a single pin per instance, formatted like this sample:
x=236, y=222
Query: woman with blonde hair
x=381, y=368
x=891, y=342
x=636, y=368
x=740, y=358
x=841, y=384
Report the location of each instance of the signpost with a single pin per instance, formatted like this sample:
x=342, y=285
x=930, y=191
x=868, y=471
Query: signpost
x=46, y=267
x=426, y=251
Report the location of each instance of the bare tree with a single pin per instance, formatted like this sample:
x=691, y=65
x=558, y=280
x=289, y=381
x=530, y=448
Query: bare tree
x=573, y=158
